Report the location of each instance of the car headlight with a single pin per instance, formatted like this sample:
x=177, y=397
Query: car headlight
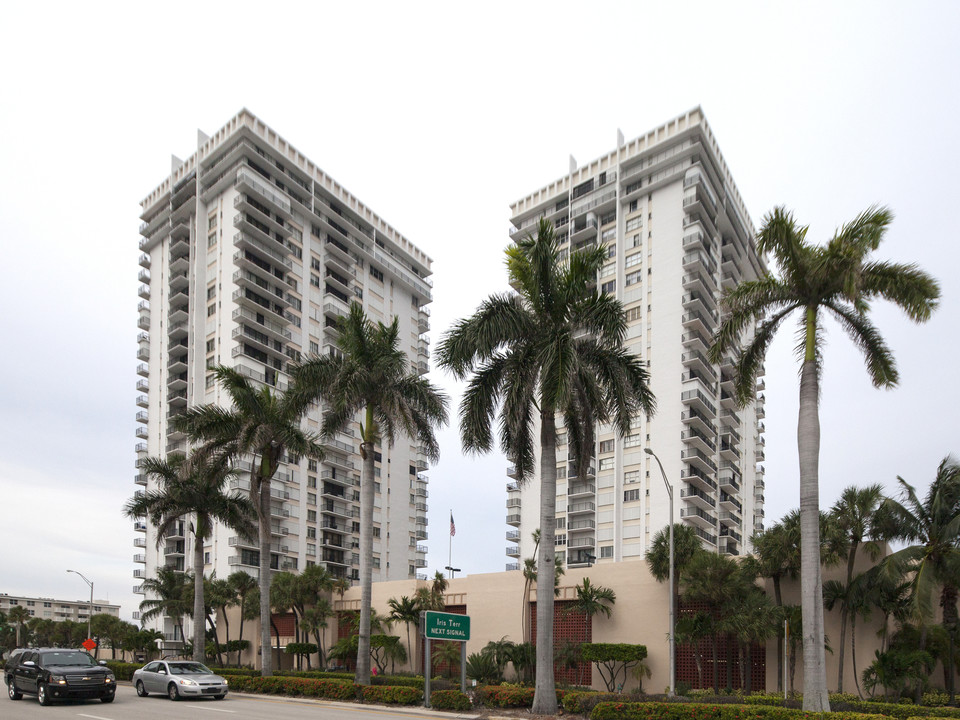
x=184, y=681
x=58, y=679
x=225, y=681
x=109, y=679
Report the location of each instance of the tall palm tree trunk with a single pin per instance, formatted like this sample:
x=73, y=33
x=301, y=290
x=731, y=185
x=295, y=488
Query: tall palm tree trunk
x=853, y=652
x=948, y=601
x=815, y=697
x=263, y=518
x=780, y=639
x=199, y=649
x=545, y=697
x=367, y=497
x=845, y=614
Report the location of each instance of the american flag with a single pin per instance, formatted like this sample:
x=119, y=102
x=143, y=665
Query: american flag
x=453, y=527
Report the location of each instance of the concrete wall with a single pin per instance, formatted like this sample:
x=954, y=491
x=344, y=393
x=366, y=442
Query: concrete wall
x=494, y=602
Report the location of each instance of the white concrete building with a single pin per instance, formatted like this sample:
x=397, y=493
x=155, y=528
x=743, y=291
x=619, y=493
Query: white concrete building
x=52, y=609
x=250, y=253
x=678, y=234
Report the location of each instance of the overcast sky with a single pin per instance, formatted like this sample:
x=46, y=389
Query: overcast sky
x=438, y=116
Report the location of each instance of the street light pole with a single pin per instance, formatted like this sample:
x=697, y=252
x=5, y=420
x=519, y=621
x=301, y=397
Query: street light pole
x=90, y=611
x=673, y=644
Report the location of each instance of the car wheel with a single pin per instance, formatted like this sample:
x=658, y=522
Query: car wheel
x=141, y=690
x=172, y=692
x=42, y=695
x=107, y=699
x=12, y=691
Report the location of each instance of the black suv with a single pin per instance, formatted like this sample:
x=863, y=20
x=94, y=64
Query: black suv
x=58, y=673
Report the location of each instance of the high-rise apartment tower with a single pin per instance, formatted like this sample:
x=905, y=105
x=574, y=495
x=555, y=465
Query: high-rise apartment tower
x=677, y=234
x=250, y=254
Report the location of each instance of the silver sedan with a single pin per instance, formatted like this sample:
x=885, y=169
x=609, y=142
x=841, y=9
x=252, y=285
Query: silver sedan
x=179, y=678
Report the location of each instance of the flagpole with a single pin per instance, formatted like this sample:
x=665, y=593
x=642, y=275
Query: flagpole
x=450, y=553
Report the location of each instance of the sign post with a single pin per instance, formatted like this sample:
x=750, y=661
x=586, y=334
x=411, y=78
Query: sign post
x=443, y=626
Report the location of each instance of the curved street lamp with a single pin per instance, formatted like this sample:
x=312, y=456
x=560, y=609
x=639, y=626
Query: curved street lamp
x=673, y=647
x=90, y=611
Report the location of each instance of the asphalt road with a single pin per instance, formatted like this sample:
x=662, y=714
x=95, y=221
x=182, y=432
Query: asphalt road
x=127, y=706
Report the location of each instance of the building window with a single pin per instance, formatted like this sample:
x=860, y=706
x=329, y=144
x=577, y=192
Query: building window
x=635, y=223
x=634, y=313
x=606, y=446
x=632, y=206
x=206, y=561
x=631, y=441
x=612, y=248
x=211, y=345
x=632, y=260
x=606, y=551
x=314, y=348
x=314, y=264
x=211, y=240
x=631, y=477
x=311, y=498
x=211, y=309
x=609, y=287
x=311, y=481
x=314, y=280
x=311, y=515
x=560, y=540
x=311, y=532
x=606, y=464
x=212, y=222
x=376, y=532
x=633, y=278
x=377, y=274
x=211, y=292
x=631, y=495
x=561, y=523
x=312, y=465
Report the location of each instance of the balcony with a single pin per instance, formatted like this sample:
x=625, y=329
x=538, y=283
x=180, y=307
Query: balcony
x=513, y=551
x=699, y=440
x=698, y=477
x=140, y=479
x=138, y=590
x=699, y=459
x=139, y=573
x=144, y=292
x=142, y=417
x=580, y=507
x=143, y=370
x=513, y=535
x=140, y=558
x=730, y=503
x=697, y=399
x=512, y=471
x=698, y=497
x=582, y=488
x=140, y=526
x=729, y=478
x=140, y=542
x=513, y=519
x=581, y=524
x=513, y=502
x=698, y=517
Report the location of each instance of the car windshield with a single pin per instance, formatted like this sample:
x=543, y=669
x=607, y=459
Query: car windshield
x=67, y=657
x=189, y=668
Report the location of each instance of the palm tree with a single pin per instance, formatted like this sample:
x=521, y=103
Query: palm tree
x=171, y=593
x=555, y=347
x=315, y=621
x=218, y=596
x=192, y=487
x=371, y=375
x=686, y=544
x=18, y=616
x=933, y=560
x=266, y=425
x=691, y=629
x=836, y=280
x=244, y=586
x=749, y=618
x=593, y=599
x=407, y=611
x=853, y=513
x=714, y=581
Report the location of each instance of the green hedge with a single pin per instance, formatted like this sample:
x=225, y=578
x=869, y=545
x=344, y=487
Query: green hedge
x=449, y=700
x=504, y=696
x=391, y=694
x=582, y=702
x=898, y=710
x=123, y=670
x=297, y=687
x=699, y=711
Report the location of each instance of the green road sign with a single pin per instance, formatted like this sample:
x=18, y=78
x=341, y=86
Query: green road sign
x=446, y=626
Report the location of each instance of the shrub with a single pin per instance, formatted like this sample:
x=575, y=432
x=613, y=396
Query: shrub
x=307, y=687
x=449, y=700
x=391, y=694
x=123, y=670
x=698, y=711
x=935, y=698
x=899, y=711
x=581, y=703
x=506, y=695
